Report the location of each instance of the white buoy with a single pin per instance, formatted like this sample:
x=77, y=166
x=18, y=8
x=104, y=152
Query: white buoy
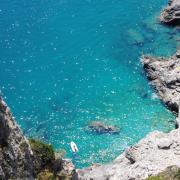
x=74, y=147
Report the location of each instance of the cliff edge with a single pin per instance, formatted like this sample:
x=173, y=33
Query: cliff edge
x=15, y=151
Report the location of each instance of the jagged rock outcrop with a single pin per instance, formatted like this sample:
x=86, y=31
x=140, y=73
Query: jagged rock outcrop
x=15, y=152
x=164, y=75
x=150, y=156
x=171, y=14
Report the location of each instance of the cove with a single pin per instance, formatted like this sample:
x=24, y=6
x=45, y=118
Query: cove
x=66, y=63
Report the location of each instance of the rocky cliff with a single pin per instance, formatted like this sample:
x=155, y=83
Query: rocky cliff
x=28, y=159
x=15, y=152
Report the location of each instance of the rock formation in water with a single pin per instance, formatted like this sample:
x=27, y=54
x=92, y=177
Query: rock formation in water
x=171, y=14
x=102, y=128
x=164, y=75
x=150, y=156
x=15, y=152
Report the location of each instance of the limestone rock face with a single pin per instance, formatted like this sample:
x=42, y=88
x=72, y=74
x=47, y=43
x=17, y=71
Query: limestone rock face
x=164, y=75
x=15, y=152
x=171, y=14
x=150, y=156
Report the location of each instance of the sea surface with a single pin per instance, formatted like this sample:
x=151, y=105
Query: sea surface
x=65, y=63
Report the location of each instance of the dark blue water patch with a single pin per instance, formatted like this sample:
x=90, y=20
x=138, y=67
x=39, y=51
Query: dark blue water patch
x=65, y=63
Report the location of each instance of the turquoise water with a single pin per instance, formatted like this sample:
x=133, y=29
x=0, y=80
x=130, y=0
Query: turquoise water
x=64, y=63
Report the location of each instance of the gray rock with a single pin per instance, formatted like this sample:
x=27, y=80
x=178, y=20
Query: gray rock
x=178, y=53
x=65, y=168
x=130, y=155
x=101, y=128
x=15, y=151
x=164, y=75
x=141, y=160
x=171, y=14
x=164, y=143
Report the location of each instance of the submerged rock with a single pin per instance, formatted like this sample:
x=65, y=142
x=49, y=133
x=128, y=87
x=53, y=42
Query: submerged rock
x=102, y=128
x=171, y=14
x=136, y=37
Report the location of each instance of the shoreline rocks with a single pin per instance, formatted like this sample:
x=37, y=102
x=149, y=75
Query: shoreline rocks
x=150, y=156
x=164, y=75
x=171, y=14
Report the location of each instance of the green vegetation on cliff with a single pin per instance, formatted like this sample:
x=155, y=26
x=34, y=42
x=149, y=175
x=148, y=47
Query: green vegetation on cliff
x=171, y=173
x=49, y=164
x=43, y=155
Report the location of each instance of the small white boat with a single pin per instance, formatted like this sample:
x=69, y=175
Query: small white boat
x=74, y=147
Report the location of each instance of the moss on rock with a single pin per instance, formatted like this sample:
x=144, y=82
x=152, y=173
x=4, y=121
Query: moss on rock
x=45, y=175
x=171, y=173
x=155, y=178
x=49, y=164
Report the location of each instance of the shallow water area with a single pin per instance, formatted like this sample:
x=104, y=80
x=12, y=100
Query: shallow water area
x=66, y=63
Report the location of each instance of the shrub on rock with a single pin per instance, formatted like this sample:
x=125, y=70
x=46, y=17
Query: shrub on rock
x=43, y=155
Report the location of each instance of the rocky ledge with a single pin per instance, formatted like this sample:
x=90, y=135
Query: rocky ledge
x=171, y=14
x=164, y=75
x=150, y=156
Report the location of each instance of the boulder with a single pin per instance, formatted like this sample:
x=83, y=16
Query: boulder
x=102, y=128
x=164, y=143
x=136, y=37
